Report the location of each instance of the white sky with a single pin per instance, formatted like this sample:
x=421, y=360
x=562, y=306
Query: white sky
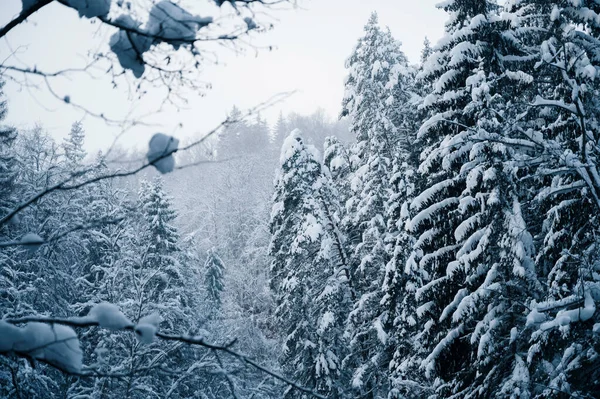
x=311, y=45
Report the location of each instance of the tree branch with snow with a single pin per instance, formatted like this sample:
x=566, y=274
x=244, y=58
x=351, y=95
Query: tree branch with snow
x=53, y=340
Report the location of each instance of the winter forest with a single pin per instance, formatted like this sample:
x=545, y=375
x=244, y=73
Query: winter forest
x=438, y=238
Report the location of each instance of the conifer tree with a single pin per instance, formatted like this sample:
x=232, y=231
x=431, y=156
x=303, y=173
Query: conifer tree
x=426, y=51
x=306, y=278
x=73, y=145
x=213, y=279
x=336, y=160
x=280, y=131
x=473, y=249
x=143, y=278
x=376, y=93
x=561, y=126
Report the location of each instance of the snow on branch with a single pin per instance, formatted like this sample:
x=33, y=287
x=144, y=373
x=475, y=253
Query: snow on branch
x=158, y=41
x=54, y=341
x=583, y=312
x=32, y=241
x=541, y=102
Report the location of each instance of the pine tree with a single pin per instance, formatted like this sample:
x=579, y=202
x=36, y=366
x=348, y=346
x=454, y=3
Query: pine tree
x=473, y=249
x=73, y=145
x=561, y=126
x=306, y=277
x=376, y=93
x=213, y=279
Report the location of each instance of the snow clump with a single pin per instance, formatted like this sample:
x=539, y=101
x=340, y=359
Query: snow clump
x=160, y=152
x=109, y=316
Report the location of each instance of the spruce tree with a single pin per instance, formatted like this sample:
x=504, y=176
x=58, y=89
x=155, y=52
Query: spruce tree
x=473, y=249
x=376, y=94
x=213, y=278
x=142, y=273
x=561, y=125
x=73, y=145
x=279, y=132
x=306, y=276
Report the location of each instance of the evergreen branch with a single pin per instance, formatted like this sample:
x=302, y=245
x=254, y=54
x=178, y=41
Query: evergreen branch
x=561, y=391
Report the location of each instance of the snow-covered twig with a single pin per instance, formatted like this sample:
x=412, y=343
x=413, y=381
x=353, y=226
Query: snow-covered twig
x=83, y=322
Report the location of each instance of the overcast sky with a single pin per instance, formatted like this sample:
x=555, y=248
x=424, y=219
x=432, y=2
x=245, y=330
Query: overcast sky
x=311, y=45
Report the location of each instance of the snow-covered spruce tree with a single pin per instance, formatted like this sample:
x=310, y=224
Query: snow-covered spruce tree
x=374, y=96
x=561, y=124
x=165, y=280
x=309, y=288
x=426, y=51
x=473, y=249
x=73, y=145
x=401, y=277
x=213, y=278
x=401, y=280
x=146, y=278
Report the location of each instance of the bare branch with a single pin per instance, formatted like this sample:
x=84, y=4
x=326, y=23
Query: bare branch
x=58, y=237
x=23, y=16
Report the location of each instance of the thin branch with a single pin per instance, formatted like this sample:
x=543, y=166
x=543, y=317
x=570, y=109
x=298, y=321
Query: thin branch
x=81, y=322
x=35, y=71
x=58, y=237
